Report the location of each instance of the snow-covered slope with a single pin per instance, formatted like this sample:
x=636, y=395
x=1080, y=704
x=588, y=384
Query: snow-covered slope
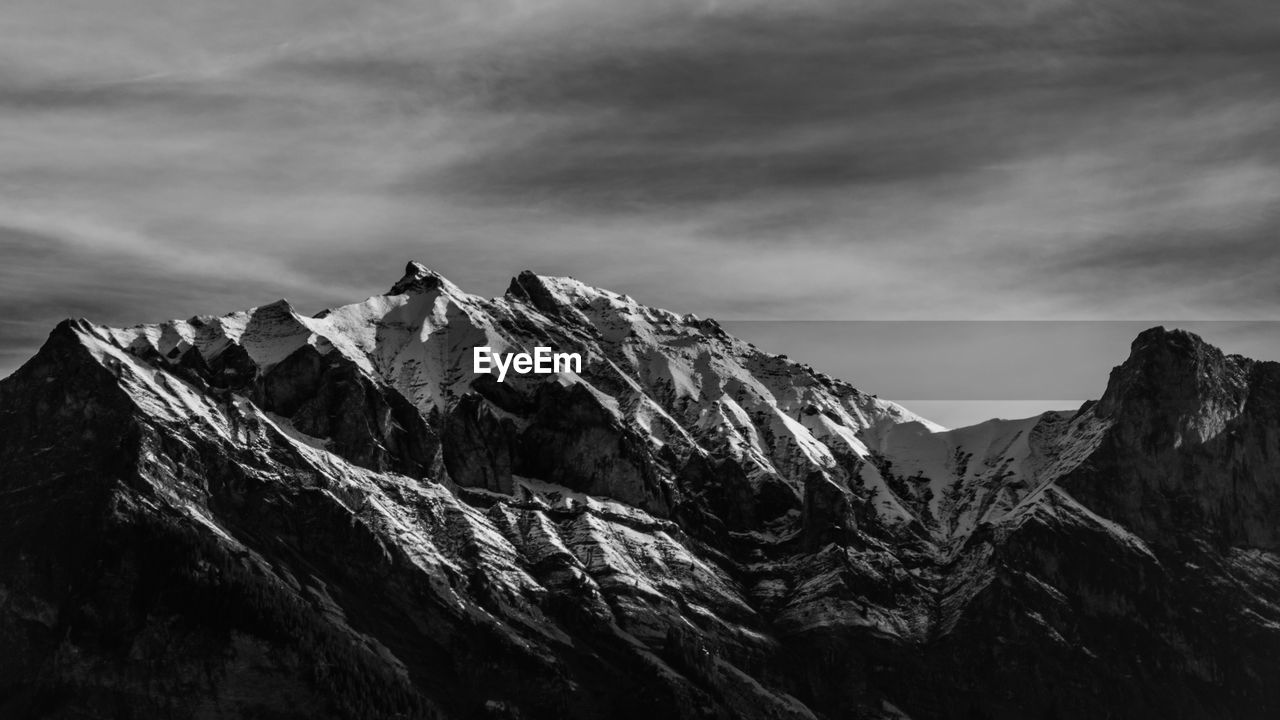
x=677, y=384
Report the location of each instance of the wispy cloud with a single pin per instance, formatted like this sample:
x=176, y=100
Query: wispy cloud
x=744, y=159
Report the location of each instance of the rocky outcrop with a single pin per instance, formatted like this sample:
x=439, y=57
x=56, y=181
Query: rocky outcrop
x=479, y=448
x=327, y=397
x=1194, y=450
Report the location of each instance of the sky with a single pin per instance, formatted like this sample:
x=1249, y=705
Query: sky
x=753, y=161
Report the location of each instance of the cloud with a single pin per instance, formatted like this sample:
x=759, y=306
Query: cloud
x=744, y=159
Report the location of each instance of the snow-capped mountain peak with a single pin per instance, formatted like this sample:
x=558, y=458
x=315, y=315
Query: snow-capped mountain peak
x=715, y=529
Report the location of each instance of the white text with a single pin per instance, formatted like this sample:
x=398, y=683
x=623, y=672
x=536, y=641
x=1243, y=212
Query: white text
x=542, y=361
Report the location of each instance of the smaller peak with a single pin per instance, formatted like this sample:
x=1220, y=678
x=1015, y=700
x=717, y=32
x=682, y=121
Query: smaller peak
x=72, y=328
x=561, y=297
x=1160, y=336
x=1151, y=333
x=565, y=289
x=73, y=325
x=1168, y=348
x=534, y=289
x=417, y=278
x=273, y=312
x=529, y=279
x=1171, y=368
x=281, y=305
x=279, y=316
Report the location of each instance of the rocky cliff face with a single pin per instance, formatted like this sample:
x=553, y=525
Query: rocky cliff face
x=271, y=515
x=1194, y=447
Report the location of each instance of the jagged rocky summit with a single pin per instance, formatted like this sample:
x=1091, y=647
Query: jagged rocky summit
x=268, y=515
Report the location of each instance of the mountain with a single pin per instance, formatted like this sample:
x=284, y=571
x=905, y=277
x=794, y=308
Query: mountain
x=267, y=515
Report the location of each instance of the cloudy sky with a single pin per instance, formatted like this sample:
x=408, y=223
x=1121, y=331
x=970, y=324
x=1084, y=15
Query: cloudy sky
x=748, y=160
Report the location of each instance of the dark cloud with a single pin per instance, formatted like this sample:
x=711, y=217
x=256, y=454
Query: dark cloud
x=740, y=158
x=693, y=109
x=174, y=98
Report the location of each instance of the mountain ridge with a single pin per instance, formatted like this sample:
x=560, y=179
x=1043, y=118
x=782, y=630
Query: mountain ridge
x=690, y=527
